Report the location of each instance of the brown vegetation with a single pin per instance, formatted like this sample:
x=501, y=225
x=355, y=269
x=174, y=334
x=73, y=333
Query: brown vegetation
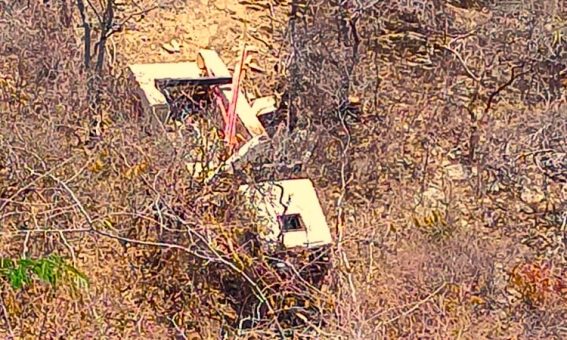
x=435, y=133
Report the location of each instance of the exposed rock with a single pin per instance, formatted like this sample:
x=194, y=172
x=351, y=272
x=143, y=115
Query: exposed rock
x=213, y=29
x=457, y=172
x=532, y=196
x=500, y=276
x=172, y=47
x=433, y=197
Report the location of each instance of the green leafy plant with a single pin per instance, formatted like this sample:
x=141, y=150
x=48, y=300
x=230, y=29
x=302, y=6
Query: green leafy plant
x=51, y=269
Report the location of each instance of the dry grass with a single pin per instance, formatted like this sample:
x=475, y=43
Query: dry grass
x=445, y=181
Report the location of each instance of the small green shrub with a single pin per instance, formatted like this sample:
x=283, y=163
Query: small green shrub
x=51, y=269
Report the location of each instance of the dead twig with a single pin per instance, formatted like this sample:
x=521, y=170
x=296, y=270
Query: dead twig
x=27, y=186
x=468, y=71
x=7, y=318
x=411, y=310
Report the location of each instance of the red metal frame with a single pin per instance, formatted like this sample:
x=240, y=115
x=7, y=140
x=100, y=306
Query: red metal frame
x=229, y=112
x=230, y=128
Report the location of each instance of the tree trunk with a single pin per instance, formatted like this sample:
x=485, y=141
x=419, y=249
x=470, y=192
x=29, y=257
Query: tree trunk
x=87, y=32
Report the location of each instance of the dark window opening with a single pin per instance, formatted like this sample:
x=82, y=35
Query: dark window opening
x=292, y=222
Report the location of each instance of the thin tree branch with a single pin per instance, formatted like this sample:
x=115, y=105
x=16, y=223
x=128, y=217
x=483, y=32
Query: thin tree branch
x=87, y=32
x=412, y=309
x=7, y=318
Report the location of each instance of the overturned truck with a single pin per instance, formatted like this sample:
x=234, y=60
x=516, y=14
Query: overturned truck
x=290, y=236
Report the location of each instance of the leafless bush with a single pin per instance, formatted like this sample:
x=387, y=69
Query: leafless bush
x=447, y=92
x=401, y=111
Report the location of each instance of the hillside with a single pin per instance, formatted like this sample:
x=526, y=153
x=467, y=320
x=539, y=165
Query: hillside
x=435, y=134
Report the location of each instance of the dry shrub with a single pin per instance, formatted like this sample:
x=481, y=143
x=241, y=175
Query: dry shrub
x=165, y=254
x=424, y=111
x=423, y=107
